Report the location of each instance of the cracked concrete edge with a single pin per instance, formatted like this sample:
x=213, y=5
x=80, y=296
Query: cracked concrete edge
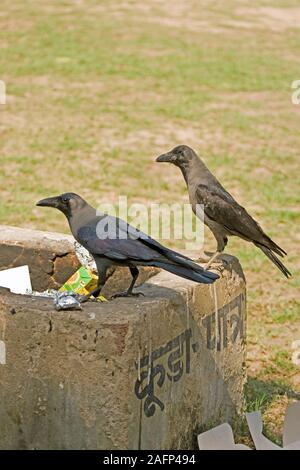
x=59, y=243
x=52, y=260
x=162, y=287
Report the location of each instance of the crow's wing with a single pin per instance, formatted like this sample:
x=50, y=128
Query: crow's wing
x=220, y=207
x=127, y=243
x=119, y=248
x=161, y=252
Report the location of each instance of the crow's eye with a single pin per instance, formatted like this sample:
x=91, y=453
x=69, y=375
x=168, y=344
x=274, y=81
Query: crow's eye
x=65, y=200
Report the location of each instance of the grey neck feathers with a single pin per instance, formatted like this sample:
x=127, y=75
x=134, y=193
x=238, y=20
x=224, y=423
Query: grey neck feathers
x=81, y=217
x=196, y=172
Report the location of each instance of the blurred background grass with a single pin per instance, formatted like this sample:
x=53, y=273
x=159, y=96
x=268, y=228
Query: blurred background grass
x=96, y=90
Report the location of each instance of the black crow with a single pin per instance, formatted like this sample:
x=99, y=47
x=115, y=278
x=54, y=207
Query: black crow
x=222, y=214
x=111, y=241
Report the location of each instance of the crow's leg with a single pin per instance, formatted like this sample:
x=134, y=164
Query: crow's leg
x=102, y=268
x=134, y=273
x=211, y=260
x=222, y=242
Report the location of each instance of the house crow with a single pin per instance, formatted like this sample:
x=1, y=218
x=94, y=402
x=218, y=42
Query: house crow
x=111, y=241
x=222, y=214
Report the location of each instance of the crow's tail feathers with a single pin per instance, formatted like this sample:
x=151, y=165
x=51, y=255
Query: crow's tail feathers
x=273, y=246
x=185, y=265
x=198, y=274
x=275, y=260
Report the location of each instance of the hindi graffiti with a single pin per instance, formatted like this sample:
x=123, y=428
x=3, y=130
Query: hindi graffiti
x=230, y=324
x=152, y=374
x=172, y=360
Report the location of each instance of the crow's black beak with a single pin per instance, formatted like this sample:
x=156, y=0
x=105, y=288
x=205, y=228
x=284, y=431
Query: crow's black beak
x=49, y=202
x=166, y=157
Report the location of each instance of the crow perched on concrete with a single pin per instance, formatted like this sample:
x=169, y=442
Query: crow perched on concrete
x=111, y=241
x=222, y=214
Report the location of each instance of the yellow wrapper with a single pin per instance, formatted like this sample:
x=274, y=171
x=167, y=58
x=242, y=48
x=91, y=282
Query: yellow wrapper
x=82, y=282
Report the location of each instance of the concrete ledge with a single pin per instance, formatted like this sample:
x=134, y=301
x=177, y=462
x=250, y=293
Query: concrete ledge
x=51, y=259
x=138, y=373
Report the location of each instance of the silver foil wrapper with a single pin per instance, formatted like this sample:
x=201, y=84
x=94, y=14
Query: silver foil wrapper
x=84, y=257
x=62, y=300
x=67, y=301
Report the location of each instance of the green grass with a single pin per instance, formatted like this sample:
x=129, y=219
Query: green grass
x=257, y=403
x=281, y=364
x=287, y=314
x=270, y=397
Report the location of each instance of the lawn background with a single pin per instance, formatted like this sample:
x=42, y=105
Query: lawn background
x=97, y=89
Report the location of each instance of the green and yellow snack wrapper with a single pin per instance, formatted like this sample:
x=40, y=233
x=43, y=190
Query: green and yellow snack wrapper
x=82, y=282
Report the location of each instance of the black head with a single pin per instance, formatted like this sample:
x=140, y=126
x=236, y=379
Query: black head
x=179, y=156
x=68, y=203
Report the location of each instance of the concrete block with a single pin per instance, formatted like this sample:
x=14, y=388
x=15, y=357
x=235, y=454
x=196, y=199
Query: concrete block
x=137, y=373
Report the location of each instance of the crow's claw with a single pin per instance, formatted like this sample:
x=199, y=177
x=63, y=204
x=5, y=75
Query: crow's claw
x=126, y=294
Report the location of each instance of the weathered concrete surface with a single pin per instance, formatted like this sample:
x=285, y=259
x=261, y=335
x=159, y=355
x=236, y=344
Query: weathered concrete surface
x=51, y=259
x=144, y=372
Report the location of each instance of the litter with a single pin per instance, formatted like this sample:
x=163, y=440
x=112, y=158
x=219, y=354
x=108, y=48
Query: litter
x=16, y=279
x=84, y=257
x=82, y=282
x=221, y=437
x=67, y=301
x=291, y=430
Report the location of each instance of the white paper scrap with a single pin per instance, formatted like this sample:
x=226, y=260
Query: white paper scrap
x=293, y=446
x=291, y=429
x=219, y=438
x=16, y=279
x=255, y=425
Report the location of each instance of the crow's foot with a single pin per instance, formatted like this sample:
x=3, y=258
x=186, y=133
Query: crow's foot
x=84, y=298
x=100, y=298
x=127, y=294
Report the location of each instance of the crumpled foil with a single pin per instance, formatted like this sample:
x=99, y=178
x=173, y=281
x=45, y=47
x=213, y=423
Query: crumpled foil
x=67, y=301
x=62, y=300
x=84, y=257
